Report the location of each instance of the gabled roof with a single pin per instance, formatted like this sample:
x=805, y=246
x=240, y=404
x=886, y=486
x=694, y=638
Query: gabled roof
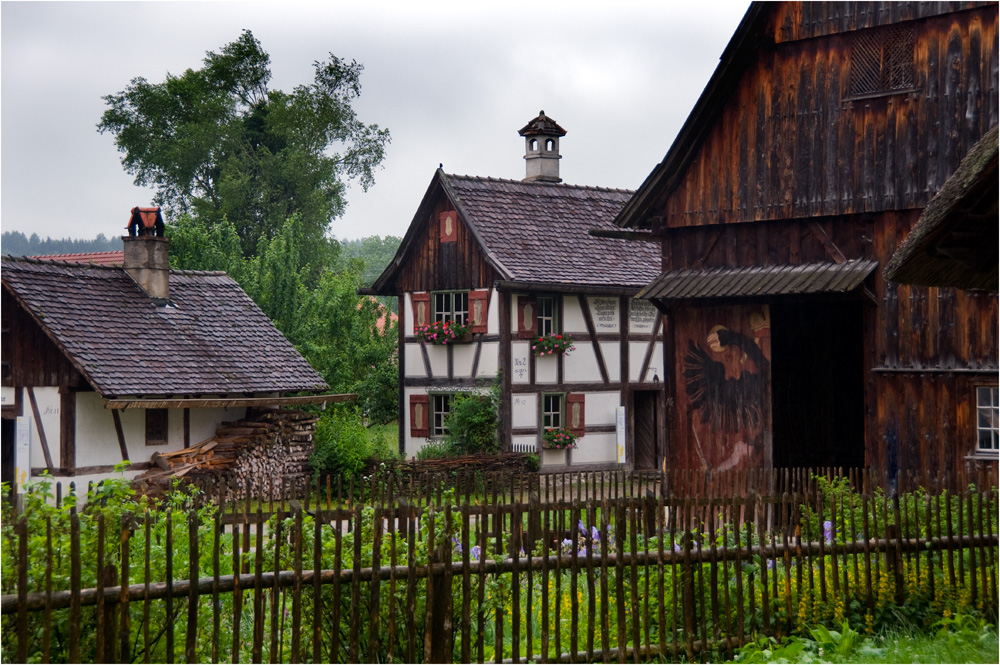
x=538, y=232
x=215, y=340
x=955, y=241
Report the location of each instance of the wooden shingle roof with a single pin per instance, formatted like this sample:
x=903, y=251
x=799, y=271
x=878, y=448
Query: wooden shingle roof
x=215, y=340
x=538, y=232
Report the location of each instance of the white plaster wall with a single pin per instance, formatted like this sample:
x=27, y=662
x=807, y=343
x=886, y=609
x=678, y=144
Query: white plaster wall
x=520, y=352
x=573, y=321
x=97, y=441
x=524, y=410
x=464, y=354
x=493, y=313
x=438, y=355
x=642, y=316
x=413, y=364
x=489, y=360
x=547, y=369
x=612, y=360
x=595, y=448
x=637, y=353
x=600, y=408
x=553, y=457
x=48, y=401
x=604, y=310
x=7, y=396
x=581, y=365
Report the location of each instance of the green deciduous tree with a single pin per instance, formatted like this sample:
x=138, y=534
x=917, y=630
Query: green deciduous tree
x=218, y=143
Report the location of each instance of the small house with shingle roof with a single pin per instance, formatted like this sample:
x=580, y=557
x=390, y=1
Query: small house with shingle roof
x=106, y=363
x=515, y=261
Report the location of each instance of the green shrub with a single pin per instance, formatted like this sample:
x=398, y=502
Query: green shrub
x=473, y=422
x=435, y=450
x=344, y=446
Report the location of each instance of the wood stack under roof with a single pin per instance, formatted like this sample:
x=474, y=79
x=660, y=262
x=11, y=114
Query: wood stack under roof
x=249, y=455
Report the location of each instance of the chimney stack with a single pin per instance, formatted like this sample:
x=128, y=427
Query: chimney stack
x=147, y=256
x=541, y=149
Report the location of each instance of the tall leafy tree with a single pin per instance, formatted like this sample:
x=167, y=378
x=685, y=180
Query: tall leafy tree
x=218, y=143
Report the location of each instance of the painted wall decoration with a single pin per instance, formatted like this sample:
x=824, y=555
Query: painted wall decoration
x=724, y=386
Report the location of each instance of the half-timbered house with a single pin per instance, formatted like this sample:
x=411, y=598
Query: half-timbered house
x=515, y=262
x=821, y=137
x=117, y=358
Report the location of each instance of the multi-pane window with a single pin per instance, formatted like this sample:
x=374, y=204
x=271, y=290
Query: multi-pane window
x=882, y=60
x=451, y=306
x=440, y=408
x=546, y=315
x=552, y=410
x=987, y=419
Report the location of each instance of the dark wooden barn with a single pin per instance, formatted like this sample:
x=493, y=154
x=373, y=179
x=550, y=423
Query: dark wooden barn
x=824, y=133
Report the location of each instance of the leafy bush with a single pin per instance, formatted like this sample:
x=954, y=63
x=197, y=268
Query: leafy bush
x=345, y=446
x=435, y=450
x=473, y=424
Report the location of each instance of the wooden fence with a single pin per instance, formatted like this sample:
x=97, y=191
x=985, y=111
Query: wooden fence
x=572, y=568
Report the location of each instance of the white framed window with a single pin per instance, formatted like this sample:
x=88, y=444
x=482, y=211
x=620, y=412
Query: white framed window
x=440, y=408
x=553, y=409
x=987, y=420
x=451, y=306
x=547, y=323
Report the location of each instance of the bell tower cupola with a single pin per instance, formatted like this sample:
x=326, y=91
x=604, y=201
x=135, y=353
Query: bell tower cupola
x=541, y=149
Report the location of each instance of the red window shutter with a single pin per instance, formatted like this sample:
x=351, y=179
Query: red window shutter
x=448, y=222
x=478, y=303
x=575, y=417
x=527, y=317
x=421, y=309
x=419, y=415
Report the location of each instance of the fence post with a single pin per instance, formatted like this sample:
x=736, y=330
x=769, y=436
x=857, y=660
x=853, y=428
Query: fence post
x=439, y=599
x=110, y=578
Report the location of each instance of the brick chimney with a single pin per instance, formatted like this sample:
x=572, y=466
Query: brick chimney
x=541, y=149
x=147, y=256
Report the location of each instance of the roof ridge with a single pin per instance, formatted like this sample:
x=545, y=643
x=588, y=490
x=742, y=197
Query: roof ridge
x=61, y=264
x=596, y=188
x=77, y=264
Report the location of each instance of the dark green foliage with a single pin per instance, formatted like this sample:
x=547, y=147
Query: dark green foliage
x=218, y=143
x=473, y=424
x=15, y=243
x=375, y=251
x=345, y=446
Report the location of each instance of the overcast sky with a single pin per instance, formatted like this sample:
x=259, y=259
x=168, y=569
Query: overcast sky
x=451, y=81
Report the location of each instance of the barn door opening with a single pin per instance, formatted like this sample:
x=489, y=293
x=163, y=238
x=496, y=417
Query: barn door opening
x=817, y=373
x=646, y=425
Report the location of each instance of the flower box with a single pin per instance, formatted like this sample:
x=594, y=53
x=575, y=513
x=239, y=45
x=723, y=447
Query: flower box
x=558, y=438
x=443, y=332
x=551, y=345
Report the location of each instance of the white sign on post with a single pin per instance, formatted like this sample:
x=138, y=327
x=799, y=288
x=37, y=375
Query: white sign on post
x=22, y=455
x=620, y=432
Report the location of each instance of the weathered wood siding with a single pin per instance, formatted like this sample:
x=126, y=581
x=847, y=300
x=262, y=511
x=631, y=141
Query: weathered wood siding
x=791, y=143
x=434, y=265
x=36, y=360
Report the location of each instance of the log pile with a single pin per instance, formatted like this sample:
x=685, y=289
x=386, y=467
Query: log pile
x=255, y=454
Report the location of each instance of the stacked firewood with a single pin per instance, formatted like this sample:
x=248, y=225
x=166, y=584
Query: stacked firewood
x=254, y=454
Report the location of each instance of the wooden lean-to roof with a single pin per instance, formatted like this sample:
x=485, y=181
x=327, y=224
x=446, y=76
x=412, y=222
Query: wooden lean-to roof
x=212, y=340
x=955, y=241
x=537, y=233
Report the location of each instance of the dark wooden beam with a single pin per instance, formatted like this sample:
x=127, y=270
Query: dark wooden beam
x=67, y=427
x=41, y=430
x=588, y=319
x=650, y=348
x=121, y=436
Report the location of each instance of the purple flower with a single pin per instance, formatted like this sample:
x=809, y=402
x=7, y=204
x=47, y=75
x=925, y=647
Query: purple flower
x=828, y=531
x=583, y=529
x=456, y=544
x=474, y=552
x=595, y=534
